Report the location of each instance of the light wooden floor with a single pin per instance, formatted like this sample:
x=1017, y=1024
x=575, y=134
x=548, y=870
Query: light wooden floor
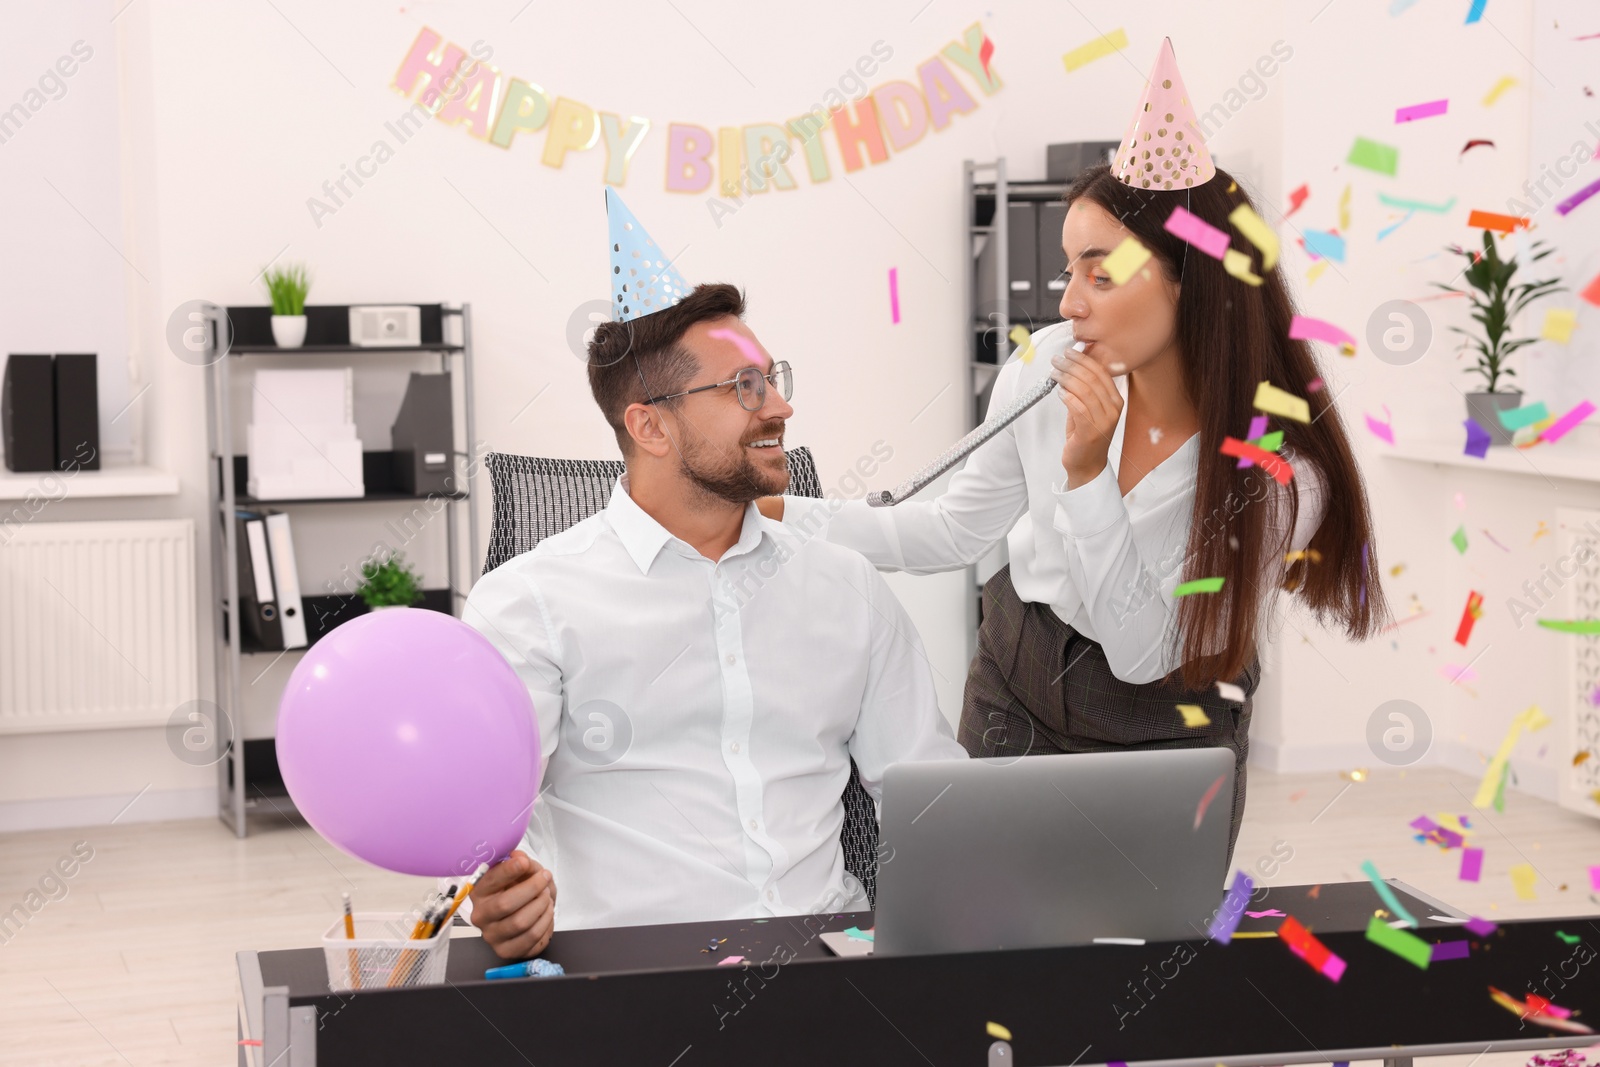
x=134, y=965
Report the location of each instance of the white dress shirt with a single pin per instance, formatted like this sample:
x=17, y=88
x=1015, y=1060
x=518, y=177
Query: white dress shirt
x=1086, y=552
x=697, y=718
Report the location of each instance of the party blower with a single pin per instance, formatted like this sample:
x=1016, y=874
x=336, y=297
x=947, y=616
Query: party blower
x=963, y=448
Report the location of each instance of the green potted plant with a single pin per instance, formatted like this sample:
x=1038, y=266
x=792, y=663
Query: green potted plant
x=390, y=583
x=288, y=287
x=1496, y=302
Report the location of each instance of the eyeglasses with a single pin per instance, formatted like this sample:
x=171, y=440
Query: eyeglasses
x=750, y=384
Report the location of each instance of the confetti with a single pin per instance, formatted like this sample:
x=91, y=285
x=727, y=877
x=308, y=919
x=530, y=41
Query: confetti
x=1591, y=291
x=1475, y=12
x=745, y=345
x=1257, y=232
x=1526, y=415
x=1571, y=939
x=1205, y=801
x=1390, y=901
x=1500, y=86
x=1480, y=927
x=1231, y=910
x=894, y=295
x=1281, y=472
x=1470, y=614
x=1344, y=208
x=1530, y=1011
x=1382, y=158
x=1421, y=111
x=855, y=933
x=1489, y=220
x=1471, y=864
x=1478, y=439
x=730, y=960
x=1558, y=429
x=1454, y=672
x=1229, y=691
x=1459, y=539
x=1237, y=264
x=986, y=53
x=1529, y=719
x=995, y=1030
x=1125, y=260
x=1407, y=946
x=1099, y=48
x=1194, y=715
x=1578, y=197
x=1559, y=324
x=1275, y=401
x=1270, y=913
x=1387, y=230
x=1571, y=626
x=1450, y=950
x=1324, y=244
x=1594, y=878
x=1296, y=198
x=1314, y=385
x=1416, y=205
x=1258, y=427
x=1382, y=430
x=1303, y=944
x=1305, y=328
x=1024, y=341
x=1197, y=231
x=1198, y=585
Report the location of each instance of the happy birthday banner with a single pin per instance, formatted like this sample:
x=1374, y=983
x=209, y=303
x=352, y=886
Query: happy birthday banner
x=891, y=118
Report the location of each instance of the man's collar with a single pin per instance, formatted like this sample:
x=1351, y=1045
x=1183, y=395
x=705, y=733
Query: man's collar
x=642, y=536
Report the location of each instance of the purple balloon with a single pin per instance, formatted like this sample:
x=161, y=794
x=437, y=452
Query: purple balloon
x=408, y=741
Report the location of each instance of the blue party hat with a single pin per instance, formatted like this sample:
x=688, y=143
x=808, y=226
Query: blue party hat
x=642, y=281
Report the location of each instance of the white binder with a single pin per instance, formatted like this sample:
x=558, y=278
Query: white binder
x=287, y=577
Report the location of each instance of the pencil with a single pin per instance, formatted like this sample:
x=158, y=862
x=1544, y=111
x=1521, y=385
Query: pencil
x=465, y=890
x=350, y=935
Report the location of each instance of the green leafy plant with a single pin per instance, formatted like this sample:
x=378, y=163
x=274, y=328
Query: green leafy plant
x=288, y=288
x=1496, y=302
x=390, y=582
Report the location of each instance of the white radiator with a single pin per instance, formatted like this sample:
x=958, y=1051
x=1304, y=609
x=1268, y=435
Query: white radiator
x=97, y=624
x=1580, y=784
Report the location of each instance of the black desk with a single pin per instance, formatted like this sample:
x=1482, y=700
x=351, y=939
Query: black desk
x=649, y=995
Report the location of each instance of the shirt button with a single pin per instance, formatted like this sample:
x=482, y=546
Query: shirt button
x=753, y=824
x=734, y=746
x=730, y=660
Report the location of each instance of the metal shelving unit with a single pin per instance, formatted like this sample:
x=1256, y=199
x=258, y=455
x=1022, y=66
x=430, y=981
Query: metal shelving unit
x=231, y=648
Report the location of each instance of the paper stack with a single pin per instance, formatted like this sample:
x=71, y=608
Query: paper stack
x=302, y=439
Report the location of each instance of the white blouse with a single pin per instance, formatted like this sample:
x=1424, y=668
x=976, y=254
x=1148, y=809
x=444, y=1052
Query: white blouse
x=1090, y=553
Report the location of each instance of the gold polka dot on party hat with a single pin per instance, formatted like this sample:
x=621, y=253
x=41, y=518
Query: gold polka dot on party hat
x=1166, y=83
x=1169, y=116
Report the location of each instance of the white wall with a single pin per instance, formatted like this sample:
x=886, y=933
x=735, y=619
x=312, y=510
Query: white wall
x=235, y=115
x=1353, y=66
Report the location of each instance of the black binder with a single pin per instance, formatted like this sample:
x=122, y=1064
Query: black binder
x=258, y=597
x=77, y=411
x=27, y=413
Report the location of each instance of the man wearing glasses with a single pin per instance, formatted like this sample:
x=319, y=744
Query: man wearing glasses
x=702, y=677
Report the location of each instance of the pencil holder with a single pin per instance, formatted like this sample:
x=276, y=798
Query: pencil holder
x=380, y=956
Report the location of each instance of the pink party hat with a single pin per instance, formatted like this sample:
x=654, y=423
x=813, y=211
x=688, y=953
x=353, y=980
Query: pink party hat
x=1162, y=148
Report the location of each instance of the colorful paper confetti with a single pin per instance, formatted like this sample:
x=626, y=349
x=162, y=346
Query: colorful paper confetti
x=1275, y=401
x=894, y=295
x=1402, y=943
x=1373, y=156
x=1194, y=716
x=1197, y=231
x=1099, y=48
x=1303, y=327
x=1307, y=947
x=1231, y=910
x=1199, y=585
x=1205, y=801
x=1559, y=429
x=1421, y=111
x=1125, y=260
x=1471, y=864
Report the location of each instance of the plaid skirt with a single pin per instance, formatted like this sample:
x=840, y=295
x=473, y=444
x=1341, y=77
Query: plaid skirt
x=1038, y=687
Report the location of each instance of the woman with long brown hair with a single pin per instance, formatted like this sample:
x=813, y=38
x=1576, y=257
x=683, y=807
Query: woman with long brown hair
x=1114, y=496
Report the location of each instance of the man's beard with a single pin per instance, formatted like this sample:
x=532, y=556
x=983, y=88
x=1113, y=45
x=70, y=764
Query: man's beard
x=737, y=479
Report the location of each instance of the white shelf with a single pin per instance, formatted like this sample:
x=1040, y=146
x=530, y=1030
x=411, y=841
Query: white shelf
x=106, y=482
x=1574, y=460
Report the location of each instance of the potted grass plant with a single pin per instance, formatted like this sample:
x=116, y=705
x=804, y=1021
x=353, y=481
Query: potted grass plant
x=389, y=583
x=288, y=287
x=1497, y=298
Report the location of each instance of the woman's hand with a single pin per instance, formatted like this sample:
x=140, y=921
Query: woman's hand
x=1093, y=407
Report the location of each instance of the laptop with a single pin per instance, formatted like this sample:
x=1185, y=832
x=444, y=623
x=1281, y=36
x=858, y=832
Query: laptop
x=1007, y=853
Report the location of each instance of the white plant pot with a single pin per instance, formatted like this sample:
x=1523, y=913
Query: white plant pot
x=289, y=331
